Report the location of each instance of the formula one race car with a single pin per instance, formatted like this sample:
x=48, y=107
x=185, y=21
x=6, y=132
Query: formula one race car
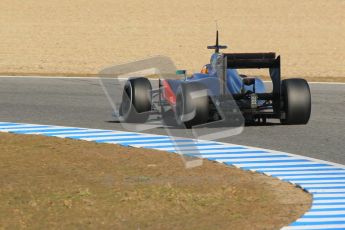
x=216, y=92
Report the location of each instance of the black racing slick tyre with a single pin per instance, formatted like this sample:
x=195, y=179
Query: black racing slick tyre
x=192, y=104
x=136, y=100
x=296, y=101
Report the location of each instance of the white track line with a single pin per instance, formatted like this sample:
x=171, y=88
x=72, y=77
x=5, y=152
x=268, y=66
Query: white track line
x=271, y=170
x=342, y=206
x=315, y=227
x=271, y=164
x=232, y=155
x=330, y=201
x=306, y=172
x=325, y=190
x=329, y=195
x=310, y=176
x=323, y=185
x=321, y=213
x=119, y=136
x=316, y=181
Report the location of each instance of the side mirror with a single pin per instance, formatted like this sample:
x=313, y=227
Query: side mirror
x=182, y=72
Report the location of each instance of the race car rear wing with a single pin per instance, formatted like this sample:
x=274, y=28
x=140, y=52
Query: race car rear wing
x=256, y=61
x=252, y=60
x=250, y=55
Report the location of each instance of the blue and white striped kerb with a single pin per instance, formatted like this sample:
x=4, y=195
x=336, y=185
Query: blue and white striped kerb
x=324, y=180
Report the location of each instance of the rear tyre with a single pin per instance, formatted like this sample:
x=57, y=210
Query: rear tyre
x=136, y=100
x=192, y=105
x=296, y=101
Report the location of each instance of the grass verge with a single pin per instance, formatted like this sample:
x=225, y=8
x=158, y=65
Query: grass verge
x=60, y=183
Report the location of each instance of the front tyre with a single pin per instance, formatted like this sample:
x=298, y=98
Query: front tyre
x=136, y=100
x=296, y=101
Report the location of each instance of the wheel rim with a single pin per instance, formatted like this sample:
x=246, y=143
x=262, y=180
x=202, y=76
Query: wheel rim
x=126, y=100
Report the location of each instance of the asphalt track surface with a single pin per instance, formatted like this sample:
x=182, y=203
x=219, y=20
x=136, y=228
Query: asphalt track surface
x=82, y=102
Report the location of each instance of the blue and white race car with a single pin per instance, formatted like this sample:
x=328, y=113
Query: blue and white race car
x=219, y=92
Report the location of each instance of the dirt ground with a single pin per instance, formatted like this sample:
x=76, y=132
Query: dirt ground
x=51, y=183
x=81, y=37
